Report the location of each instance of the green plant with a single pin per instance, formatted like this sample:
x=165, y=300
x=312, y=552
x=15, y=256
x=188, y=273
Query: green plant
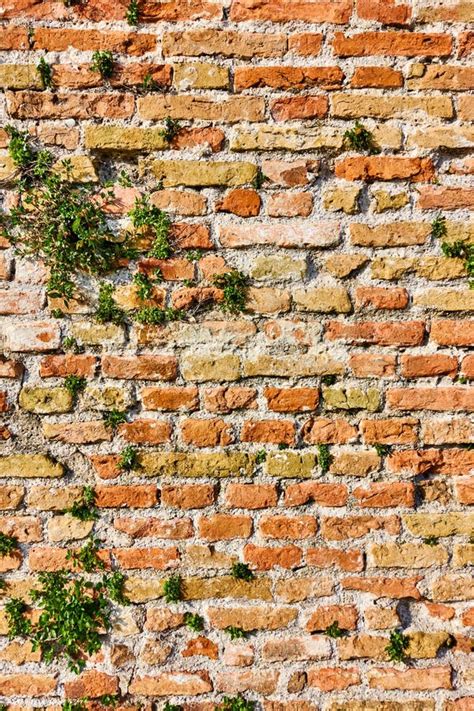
x=3, y=707
x=144, y=285
x=107, y=310
x=173, y=588
x=172, y=707
x=431, y=541
x=145, y=215
x=194, y=622
x=85, y=508
x=80, y=705
x=154, y=315
x=397, y=646
x=235, y=632
x=128, y=460
x=236, y=703
x=241, y=571
x=103, y=63
x=438, y=227
x=109, y=700
x=132, y=14
x=259, y=179
x=45, y=72
x=57, y=313
x=8, y=544
x=113, y=418
x=324, y=458
x=360, y=138
x=87, y=557
x=260, y=456
x=70, y=344
x=58, y=221
x=333, y=630
x=329, y=379
x=461, y=250
x=75, y=384
x=382, y=449
x=75, y=612
x=194, y=255
x=170, y=130
x=149, y=84
x=283, y=445
x=234, y=285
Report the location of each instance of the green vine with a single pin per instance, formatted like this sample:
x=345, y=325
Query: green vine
x=128, y=459
x=58, y=221
x=85, y=508
x=75, y=384
x=149, y=216
x=107, y=310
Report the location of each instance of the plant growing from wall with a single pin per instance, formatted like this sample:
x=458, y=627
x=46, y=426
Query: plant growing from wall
x=107, y=310
x=8, y=544
x=236, y=703
x=155, y=316
x=234, y=286
x=113, y=418
x=194, y=621
x=171, y=129
x=324, y=458
x=58, y=221
x=397, y=645
x=84, y=508
x=75, y=611
x=144, y=215
x=173, y=588
x=334, y=631
x=360, y=138
x=241, y=571
x=133, y=12
x=143, y=285
x=461, y=249
x=45, y=73
x=235, y=632
x=128, y=459
x=103, y=63
x=75, y=384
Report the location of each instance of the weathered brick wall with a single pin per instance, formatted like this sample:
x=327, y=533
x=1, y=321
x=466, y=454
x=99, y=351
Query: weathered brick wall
x=346, y=281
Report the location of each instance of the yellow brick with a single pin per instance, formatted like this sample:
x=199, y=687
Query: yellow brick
x=463, y=555
x=351, y=399
x=19, y=76
x=439, y=524
x=105, y=398
x=333, y=300
x=29, y=466
x=7, y=168
x=392, y=234
x=276, y=267
x=206, y=108
x=449, y=588
x=355, y=463
x=45, y=401
x=345, y=199
x=411, y=107
x=196, y=464
x=210, y=366
x=274, y=138
x=387, y=201
x=292, y=366
x=405, y=555
x=68, y=528
x=199, y=173
x=124, y=139
x=200, y=75
x=342, y=265
x=445, y=137
x=445, y=299
x=96, y=334
x=425, y=645
x=80, y=170
x=290, y=464
x=226, y=587
x=49, y=498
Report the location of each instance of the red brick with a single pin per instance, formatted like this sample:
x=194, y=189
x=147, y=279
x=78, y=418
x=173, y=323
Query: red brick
x=385, y=495
x=251, y=496
x=266, y=558
x=292, y=399
x=293, y=527
x=142, y=367
x=243, y=202
x=400, y=430
x=351, y=561
x=385, y=168
x=325, y=431
x=155, y=558
x=382, y=333
x=388, y=12
x=206, y=433
x=221, y=527
x=447, y=332
x=413, y=366
x=396, y=44
x=376, y=78
x=323, y=617
x=79, y=105
x=13, y=38
x=268, y=431
x=438, y=399
x=91, y=683
x=146, y=431
x=57, y=366
x=442, y=198
x=377, y=365
x=322, y=493
x=338, y=11
x=332, y=678
x=169, y=399
x=378, y=297
x=339, y=529
x=188, y=496
x=287, y=78
x=227, y=399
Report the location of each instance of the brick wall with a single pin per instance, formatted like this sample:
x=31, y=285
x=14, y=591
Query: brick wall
x=356, y=335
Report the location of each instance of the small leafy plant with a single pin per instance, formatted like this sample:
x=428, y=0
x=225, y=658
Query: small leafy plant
x=334, y=631
x=154, y=315
x=173, y=588
x=149, y=84
x=144, y=285
x=260, y=456
x=382, y=449
x=235, y=632
x=397, y=646
x=438, y=227
x=360, y=138
x=234, y=285
x=241, y=571
x=329, y=379
x=145, y=215
x=85, y=508
x=103, y=63
x=45, y=73
x=431, y=541
x=324, y=458
x=236, y=703
x=194, y=621
x=75, y=384
x=113, y=418
x=172, y=707
x=462, y=250
x=57, y=220
x=8, y=544
x=107, y=310
x=128, y=460
x=87, y=557
x=132, y=14
x=259, y=179
x=171, y=129
x=70, y=345
x=74, y=613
